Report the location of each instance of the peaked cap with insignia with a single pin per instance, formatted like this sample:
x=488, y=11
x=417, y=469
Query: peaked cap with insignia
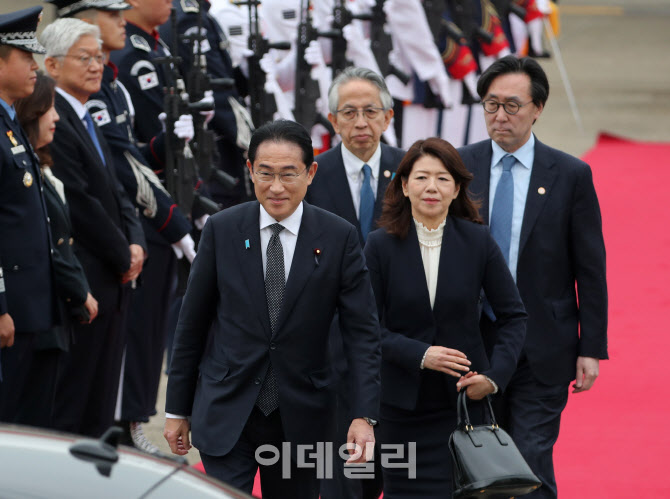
x=67, y=8
x=18, y=29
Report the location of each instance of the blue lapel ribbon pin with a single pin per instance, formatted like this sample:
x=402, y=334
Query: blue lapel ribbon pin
x=246, y=244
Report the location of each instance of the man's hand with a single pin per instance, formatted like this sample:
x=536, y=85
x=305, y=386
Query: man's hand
x=136, y=262
x=176, y=433
x=476, y=385
x=587, y=372
x=6, y=331
x=446, y=360
x=362, y=435
x=91, y=305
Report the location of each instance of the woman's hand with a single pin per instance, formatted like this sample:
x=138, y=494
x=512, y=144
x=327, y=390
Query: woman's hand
x=91, y=305
x=446, y=360
x=477, y=385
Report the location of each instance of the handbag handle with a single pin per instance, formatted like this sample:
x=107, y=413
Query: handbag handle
x=462, y=415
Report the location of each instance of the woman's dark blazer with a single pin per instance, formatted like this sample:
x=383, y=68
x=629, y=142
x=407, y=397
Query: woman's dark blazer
x=470, y=261
x=69, y=277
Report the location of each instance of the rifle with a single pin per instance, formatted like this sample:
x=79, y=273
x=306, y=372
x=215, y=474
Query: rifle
x=198, y=82
x=306, y=88
x=463, y=16
x=263, y=105
x=341, y=18
x=505, y=7
x=382, y=44
x=181, y=169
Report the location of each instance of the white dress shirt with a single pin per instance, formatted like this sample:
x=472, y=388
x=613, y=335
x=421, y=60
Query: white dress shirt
x=354, y=169
x=78, y=107
x=521, y=171
x=288, y=237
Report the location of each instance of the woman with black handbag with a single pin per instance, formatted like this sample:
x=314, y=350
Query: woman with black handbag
x=429, y=263
x=38, y=118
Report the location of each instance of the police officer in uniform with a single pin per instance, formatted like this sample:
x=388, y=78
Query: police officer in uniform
x=163, y=222
x=27, y=294
x=231, y=120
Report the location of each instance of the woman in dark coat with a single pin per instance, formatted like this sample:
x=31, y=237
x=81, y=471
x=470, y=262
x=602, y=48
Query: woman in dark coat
x=429, y=263
x=38, y=118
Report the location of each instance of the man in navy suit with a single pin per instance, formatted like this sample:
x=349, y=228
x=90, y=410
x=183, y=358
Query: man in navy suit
x=544, y=214
x=360, y=111
x=250, y=365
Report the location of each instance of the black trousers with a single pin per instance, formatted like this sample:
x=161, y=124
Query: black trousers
x=238, y=467
x=87, y=386
x=146, y=334
x=531, y=413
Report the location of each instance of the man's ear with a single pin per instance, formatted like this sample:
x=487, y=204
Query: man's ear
x=52, y=65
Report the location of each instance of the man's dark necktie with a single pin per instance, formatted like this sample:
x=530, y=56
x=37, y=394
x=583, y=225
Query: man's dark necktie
x=90, y=128
x=275, y=281
x=501, y=215
x=367, y=208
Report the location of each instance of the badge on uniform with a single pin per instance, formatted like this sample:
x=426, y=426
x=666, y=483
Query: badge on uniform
x=149, y=80
x=27, y=179
x=12, y=139
x=140, y=43
x=101, y=116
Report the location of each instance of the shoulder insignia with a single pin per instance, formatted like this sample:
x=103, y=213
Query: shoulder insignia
x=140, y=43
x=99, y=112
x=189, y=6
x=139, y=65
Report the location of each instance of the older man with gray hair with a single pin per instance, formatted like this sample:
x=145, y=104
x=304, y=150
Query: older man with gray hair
x=109, y=240
x=351, y=183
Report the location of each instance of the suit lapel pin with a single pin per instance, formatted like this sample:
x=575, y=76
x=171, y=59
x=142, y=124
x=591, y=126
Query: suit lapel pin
x=246, y=244
x=317, y=254
x=387, y=173
x=542, y=191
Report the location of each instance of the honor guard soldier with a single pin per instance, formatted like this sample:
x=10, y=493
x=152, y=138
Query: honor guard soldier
x=163, y=222
x=27, y=294
x=231, y=120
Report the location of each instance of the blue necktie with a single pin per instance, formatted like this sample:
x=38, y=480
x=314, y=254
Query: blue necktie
x=503, y=202
x=90, y=127
x=367, y=208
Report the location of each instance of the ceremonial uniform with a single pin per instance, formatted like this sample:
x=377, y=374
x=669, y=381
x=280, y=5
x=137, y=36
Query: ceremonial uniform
x=27, y=292
x=219, y=65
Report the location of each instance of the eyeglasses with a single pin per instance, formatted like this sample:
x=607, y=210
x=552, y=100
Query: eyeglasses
x=511, y=107
x=351, y=113
x=85, y=59
x=284, y=178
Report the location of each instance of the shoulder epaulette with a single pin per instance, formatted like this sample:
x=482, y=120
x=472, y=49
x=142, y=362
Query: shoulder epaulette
x=190, y=6
x=140, y=43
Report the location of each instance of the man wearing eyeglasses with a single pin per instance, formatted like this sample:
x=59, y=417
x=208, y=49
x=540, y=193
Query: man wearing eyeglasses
x=351, y=183
x=250, y=366
x=109, y=240
x=543, y=211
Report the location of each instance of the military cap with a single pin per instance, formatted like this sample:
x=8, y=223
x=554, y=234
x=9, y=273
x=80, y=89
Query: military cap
x=18, y=29
x=68, y=8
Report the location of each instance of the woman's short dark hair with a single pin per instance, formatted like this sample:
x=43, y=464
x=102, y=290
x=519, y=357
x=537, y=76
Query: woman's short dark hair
x=539, y=84
x=30, y=109
x=397, y=211
x=283, y=131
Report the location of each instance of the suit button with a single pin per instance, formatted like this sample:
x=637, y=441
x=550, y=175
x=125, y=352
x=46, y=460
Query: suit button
x=15, y=268
x=48, y=220
x=60, y=241
x=257, y=381
x=71, y=241
x=273, y=346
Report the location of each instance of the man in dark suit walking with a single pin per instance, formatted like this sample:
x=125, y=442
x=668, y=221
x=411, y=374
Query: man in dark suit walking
x=351, y=183
x=109, y=240
x=543, y=211
x=250, y=364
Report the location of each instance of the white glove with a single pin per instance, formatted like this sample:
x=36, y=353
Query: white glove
x=200, y=222
x=185, y=247
x=360, y=6
x=268, y=65
x=161, y=118
x=313, y=54
x=439, y=85
x=358, y=48
x=209, y=99
x=183, y=127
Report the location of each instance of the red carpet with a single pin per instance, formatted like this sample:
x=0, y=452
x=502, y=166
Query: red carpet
x=615, y=439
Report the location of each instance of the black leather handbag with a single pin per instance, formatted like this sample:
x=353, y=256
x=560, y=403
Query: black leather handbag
x=486, y=461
